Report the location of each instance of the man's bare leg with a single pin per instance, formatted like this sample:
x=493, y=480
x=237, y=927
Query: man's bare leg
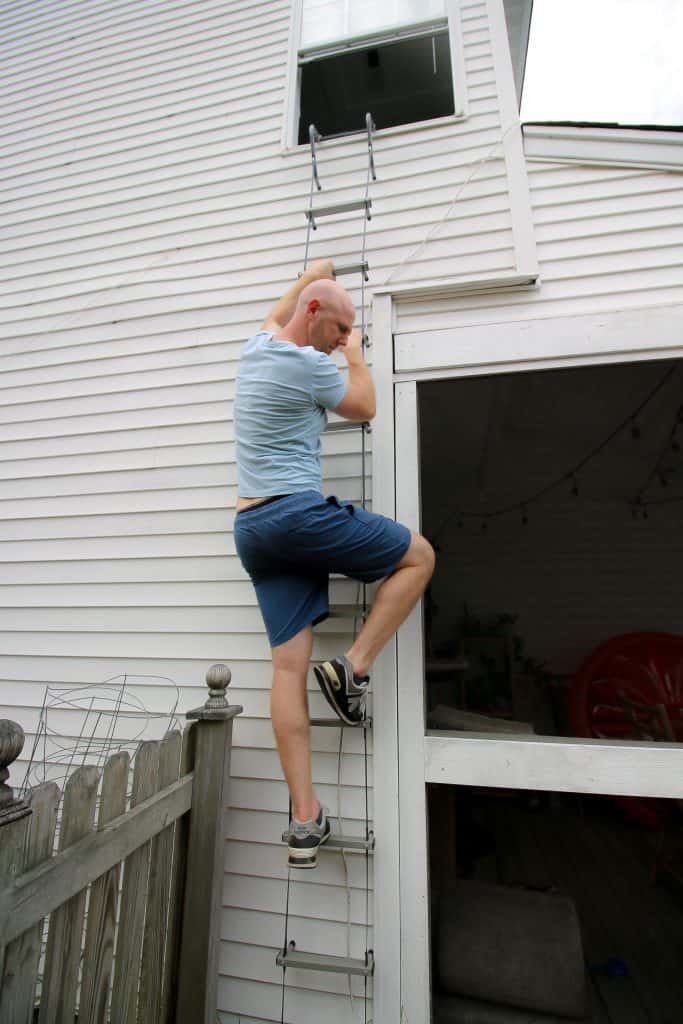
x=289, y=714
x=394, y=600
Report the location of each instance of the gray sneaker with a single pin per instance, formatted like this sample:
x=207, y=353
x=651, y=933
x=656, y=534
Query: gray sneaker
x=304, y=839
x=344, y=691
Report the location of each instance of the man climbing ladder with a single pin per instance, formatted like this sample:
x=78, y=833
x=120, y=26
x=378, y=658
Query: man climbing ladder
x=289, y=537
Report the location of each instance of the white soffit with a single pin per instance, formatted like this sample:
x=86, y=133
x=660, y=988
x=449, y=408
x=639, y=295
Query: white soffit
x=617, y=146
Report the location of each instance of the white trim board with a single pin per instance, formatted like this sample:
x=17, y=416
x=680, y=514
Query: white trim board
x=415, y=968
x=530, y=342
x=387, y=907
x=616, y=147
x=555, y=763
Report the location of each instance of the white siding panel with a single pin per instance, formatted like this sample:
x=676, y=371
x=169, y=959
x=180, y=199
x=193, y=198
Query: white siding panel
x=608, y=239
x=149, y=220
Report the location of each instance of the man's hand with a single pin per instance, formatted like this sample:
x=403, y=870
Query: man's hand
x=320, y=269
x=352, y=348
x=359, y=402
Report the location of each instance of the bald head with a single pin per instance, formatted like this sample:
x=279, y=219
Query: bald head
x=323, y=317
x=330, y=295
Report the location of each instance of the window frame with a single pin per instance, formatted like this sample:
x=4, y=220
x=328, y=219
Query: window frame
x=293, y=88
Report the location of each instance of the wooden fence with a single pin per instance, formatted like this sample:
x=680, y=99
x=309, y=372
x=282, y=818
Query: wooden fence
x=160, y=863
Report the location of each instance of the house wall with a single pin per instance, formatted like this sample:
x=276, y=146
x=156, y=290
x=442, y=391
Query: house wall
x=149, y=219
x=608, y=238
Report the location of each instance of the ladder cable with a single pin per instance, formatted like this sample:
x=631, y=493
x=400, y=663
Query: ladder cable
x=360, y=605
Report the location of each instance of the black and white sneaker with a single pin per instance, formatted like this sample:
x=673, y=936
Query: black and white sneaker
x=304, y=839
x=344, y=691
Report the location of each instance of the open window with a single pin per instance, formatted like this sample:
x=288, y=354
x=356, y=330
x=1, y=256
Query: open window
x=392, y=57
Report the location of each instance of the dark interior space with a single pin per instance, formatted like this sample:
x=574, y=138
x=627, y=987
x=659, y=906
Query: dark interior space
x=554, y=502
x=550, y=907
x=400, y=83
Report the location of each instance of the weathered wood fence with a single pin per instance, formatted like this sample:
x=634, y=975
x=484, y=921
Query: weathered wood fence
x=160, y=863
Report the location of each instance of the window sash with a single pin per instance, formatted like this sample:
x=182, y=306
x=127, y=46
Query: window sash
x=308, y=54
x=333, y=23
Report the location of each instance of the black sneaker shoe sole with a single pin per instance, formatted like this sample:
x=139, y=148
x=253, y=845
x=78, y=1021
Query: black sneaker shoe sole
x=325, y=684
x=306, y=857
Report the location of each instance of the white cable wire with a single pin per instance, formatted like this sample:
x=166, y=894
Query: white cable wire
x=435, y=227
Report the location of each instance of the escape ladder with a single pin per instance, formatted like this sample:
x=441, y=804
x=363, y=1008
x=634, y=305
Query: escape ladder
x=290, y=955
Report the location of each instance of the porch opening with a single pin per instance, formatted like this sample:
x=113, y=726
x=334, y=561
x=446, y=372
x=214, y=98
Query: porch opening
x=549, y=907
x=554, y=500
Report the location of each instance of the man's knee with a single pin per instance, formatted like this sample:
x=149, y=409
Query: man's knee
x=420, y=553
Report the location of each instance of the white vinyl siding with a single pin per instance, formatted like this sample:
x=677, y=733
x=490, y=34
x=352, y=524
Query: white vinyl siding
x=149, y=220
x=608, y=238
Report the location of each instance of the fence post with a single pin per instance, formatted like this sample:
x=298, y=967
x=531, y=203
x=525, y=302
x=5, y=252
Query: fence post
x=199, y=942
x=11, y=745
x=12, y=810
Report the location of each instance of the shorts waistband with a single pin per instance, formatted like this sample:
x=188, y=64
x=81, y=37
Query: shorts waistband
x=268, y=501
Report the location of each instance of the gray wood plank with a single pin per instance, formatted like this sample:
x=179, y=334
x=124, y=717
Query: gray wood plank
x=63, y=953
x=133, y=898
x=177, y=887
x=17, y=994
x=161, y=856
x=12, y=845
x=40, y=891
x=101, y=927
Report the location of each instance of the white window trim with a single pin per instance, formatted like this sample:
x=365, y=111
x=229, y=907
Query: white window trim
x=292, y=89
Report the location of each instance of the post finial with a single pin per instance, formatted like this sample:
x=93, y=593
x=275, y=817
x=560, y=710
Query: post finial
x=217, y=679
x=216, y=706
x=11, y=745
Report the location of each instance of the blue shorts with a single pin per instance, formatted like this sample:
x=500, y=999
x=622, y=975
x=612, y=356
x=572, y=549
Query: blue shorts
x=291, y=545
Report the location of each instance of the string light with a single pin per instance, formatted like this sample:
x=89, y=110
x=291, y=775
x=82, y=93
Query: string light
x=571, y=475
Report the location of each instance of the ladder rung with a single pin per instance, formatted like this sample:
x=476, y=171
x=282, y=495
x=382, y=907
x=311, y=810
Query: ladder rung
x=339, y=842
x=337, y=722
x=341, y=426
x=323, y=962
x=329, y=211
x=352, y=268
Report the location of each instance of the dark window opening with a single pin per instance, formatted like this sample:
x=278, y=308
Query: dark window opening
x=399, y=82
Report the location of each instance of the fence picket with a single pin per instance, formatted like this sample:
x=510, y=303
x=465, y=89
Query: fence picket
x=133, y=898
x=149, y=1002
x=12, y=847
x=17, y=994
x=63, y=954
x=101, y=927
x=177, y=888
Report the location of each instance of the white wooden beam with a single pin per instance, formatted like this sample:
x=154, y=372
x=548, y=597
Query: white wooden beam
x=415, y=972
x=555, y=763
x=387, y=905
x=534, y=344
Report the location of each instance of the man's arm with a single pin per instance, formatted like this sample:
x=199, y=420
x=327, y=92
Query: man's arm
x=283, y=310
x=359, y=402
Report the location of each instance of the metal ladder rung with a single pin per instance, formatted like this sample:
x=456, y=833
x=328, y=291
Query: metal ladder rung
x=335, y=208
x=332, y=723
x=353, y=268
x=323, y=962
x=341, y=426
x=340, y=842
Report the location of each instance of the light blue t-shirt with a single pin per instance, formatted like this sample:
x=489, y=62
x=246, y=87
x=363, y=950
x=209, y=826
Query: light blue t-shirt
x=282, y=393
